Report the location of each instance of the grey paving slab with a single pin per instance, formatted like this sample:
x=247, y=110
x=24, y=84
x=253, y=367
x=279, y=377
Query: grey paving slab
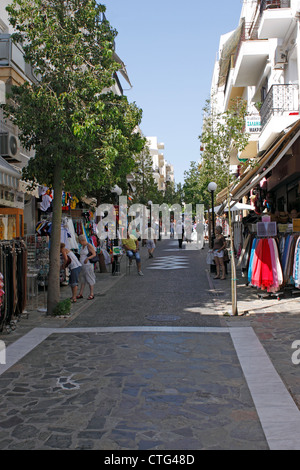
x=75, y=370
x=279, y=415
x=190, y=349
x=165, y=389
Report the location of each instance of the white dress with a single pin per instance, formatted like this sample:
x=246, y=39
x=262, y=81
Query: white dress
x=87, y=273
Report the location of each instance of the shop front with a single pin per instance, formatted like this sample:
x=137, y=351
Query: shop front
x=267, y=240
x=13, y=251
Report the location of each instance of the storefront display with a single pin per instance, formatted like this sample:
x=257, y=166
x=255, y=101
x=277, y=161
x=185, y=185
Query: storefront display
x=11, y=223
x=13, y=268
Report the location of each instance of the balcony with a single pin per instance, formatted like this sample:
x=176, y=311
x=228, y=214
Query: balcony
x=276, y=19
x=279, y=110
x=274, y=4
x=11, y=55
x=250, y=58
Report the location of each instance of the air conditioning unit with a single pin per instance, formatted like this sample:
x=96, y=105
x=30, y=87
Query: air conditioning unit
x=280, y=57
x=10, y=147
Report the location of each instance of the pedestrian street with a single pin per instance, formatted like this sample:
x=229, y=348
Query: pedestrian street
x=149, y=365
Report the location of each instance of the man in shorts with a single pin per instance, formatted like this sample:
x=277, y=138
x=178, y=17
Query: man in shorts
x=131, y=246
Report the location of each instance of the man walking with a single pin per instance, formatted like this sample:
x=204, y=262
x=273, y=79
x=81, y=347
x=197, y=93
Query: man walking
x=151, y=240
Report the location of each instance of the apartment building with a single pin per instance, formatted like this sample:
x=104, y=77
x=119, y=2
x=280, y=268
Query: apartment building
x=260, y=62
x=17, y=207
x=163, y=171
x=13, y=156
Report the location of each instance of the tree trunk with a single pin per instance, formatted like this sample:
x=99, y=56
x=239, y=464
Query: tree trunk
x=54, y=269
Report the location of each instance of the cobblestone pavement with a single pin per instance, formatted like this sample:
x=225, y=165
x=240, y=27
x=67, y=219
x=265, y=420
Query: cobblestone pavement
x=133, y=391
x=179, y=381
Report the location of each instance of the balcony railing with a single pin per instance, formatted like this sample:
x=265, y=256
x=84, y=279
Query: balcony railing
x=11, y=55
x=268, y=4
x=249, y=33
x=281, y=100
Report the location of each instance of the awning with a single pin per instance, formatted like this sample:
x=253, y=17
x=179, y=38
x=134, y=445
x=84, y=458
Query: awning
x=24, y=188
x=235, y=207
x=228, y=50
x=268, y=160
x=122, y=69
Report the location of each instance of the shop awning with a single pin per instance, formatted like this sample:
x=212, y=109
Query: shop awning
x=267, y=162
x=235, y=207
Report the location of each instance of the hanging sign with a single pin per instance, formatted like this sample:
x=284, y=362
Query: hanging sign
x=253, y=124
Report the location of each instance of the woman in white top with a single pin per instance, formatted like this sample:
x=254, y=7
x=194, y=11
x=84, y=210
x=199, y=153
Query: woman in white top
x=87, y=274
x=71, y=261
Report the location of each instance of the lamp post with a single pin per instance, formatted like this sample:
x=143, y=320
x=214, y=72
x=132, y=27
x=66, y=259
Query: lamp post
x=116, y=264
x=211, y=188
x=150, y=205
x=150, y=210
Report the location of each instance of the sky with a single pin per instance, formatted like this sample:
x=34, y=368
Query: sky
x=169, y=48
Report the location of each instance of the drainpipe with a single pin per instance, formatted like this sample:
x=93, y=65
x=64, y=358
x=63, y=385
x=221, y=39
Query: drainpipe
x=298, y=56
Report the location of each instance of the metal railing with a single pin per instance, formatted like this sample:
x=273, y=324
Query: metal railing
x=269, y=4
x=281, y=100
x=12, y=55
x=249, y=33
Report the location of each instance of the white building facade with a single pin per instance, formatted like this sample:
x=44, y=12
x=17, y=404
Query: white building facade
x=260, y=63
x=163, y=171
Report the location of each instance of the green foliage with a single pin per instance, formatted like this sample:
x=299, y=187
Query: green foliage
x=62, y=308
x=82, y=133
x=69, y=115
x=222, y=134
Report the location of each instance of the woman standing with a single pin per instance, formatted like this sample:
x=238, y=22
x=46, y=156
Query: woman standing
x=87, y=274
x=70, y=260
x=219, y=247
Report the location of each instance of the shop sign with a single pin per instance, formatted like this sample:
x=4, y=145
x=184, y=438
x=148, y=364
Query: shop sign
x=253, y=124
x=116, y=250
x=266, y=229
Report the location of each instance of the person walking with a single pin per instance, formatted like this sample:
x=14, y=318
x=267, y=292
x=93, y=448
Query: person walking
x=131, y=246
x=87, y=274
x=219, y=247
x=71, y=261
x=151, y=241
x=180, y=232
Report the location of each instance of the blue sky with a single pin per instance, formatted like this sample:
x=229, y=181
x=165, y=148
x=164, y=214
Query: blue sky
x=169, y=49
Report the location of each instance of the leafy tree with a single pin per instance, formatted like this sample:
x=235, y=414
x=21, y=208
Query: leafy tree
x=82, y=133
x=195, y=191
x=144, y=182
x=222, y=134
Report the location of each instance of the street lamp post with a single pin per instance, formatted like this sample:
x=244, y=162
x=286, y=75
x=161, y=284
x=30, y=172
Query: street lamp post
x=150, y=205
x=150, y=214
x=211, y=188
x=116, y=264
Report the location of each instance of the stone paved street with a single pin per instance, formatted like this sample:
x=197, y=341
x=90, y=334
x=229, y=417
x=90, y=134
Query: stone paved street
x=152, y=363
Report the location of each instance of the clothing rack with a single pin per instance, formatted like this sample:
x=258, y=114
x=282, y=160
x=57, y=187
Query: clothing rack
x=13, y=267
x=285, y=245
